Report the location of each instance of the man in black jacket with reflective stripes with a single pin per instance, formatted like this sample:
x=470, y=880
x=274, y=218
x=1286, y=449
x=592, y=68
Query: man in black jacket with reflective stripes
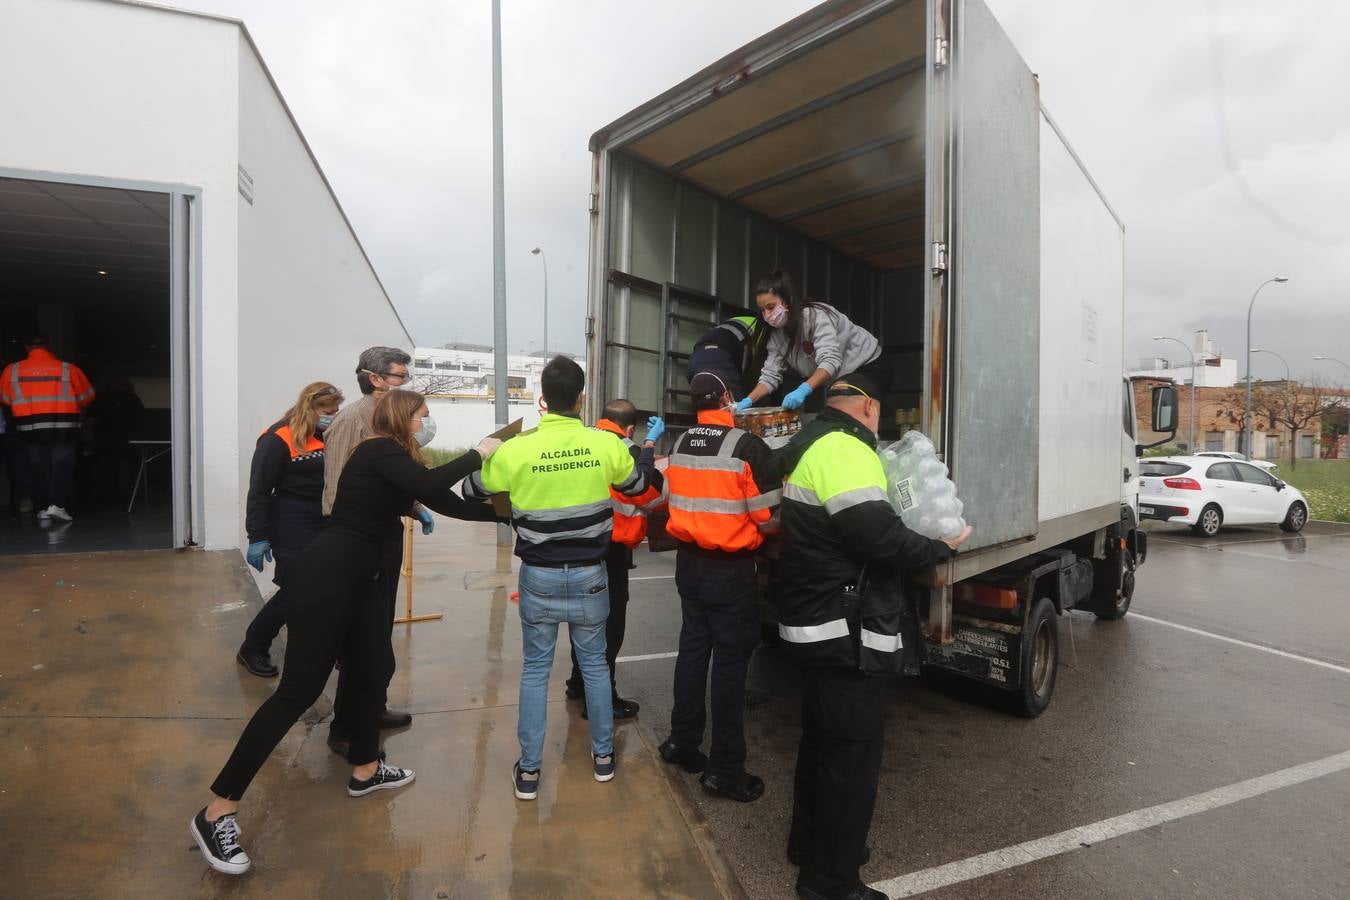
x=837, y=521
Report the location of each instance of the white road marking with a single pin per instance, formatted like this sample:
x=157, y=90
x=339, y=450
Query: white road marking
x=649, y=577
x=1229, y=640
x=1107, y=829
x=647, y=656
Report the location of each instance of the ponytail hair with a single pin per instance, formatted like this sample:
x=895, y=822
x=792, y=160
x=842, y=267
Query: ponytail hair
x=302, y=418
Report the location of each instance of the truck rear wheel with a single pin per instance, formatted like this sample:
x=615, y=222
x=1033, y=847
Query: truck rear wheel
x=1040, y=661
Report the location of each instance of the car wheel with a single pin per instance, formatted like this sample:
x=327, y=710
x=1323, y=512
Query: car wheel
x=1296, y=518
x=1211, y=518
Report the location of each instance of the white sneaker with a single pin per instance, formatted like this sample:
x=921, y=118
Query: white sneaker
x=56, y=512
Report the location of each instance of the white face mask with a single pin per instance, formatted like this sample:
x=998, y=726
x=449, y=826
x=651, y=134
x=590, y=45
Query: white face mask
x=776, y=317
x=428, y=431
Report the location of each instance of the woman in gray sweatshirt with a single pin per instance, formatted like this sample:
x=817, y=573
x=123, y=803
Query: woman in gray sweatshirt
x=811, y=339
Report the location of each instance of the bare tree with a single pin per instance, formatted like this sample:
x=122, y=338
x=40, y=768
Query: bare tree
x=1295, y=407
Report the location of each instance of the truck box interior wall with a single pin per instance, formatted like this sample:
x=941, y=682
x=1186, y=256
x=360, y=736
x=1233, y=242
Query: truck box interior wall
x=815, y=166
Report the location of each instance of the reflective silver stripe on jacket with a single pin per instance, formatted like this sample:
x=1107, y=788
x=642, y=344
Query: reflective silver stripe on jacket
x=811, y=634
x=561, y=513
x=659, y=500
x=800, y=494
x=623, y=509
x=543, y=537
x=764, y=501
x=842, y=501
x=883, y=643
x=22, y=425
x=473, y=487
x=708, y=505
x=707, y=463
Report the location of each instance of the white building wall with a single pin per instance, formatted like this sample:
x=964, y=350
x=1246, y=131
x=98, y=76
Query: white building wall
x=309, y=300
x=129, y=92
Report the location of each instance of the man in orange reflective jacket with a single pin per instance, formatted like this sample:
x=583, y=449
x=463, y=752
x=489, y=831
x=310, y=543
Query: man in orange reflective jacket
x=630, y=527
x=722, y=493
x=47, y=398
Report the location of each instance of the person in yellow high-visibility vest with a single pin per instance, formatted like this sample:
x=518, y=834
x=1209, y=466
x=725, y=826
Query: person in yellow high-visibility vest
x=559, y=476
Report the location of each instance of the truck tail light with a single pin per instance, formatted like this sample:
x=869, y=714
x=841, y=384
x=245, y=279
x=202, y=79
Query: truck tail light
x=1182, y=484
x=985, y=595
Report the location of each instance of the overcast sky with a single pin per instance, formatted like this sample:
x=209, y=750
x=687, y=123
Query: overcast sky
x=1219, y=130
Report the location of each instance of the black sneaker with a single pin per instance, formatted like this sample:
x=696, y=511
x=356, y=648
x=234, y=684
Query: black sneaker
x=526, y=782
x=691, y=759
x=604, y=767
x=623, y=709
x=258, y=662
x=575, y=691
x=386, y=778
x=219, y=843
x=746, y=789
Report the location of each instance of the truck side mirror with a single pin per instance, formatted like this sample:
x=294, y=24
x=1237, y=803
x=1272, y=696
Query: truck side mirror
x=1165, y=409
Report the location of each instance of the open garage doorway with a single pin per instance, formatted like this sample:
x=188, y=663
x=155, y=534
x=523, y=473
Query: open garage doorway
x=90, y=269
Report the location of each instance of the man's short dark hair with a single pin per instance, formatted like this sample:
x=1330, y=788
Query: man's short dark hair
x=377, y=360
x=562, y=382
x=36, y=339
x=621, y=412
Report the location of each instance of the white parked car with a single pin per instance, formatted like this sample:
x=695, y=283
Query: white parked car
x=1240, y=457
x=1208, y=493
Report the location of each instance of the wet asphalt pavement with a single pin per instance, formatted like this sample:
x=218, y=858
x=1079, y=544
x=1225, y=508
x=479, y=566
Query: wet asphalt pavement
x=1145, y=713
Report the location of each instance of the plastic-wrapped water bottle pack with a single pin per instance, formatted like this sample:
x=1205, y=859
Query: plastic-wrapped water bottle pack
x=919, y=489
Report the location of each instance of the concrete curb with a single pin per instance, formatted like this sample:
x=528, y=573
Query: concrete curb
x=718, y=867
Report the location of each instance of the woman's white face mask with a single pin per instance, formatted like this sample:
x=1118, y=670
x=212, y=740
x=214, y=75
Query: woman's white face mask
x=427, y=432
x=777, y=316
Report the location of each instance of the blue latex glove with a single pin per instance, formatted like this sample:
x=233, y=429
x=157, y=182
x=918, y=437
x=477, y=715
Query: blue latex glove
x=257, y=552
x=428, y=523
x=656, y=427
x=795, y=399
x=744, y=403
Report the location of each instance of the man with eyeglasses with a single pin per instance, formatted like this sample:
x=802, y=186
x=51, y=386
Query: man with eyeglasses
x=378, y=371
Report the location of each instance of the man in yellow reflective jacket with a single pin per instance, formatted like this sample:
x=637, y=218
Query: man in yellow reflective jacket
x=559, y=476
x=837, y=520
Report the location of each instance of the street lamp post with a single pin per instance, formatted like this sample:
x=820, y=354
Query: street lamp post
x=1160, y=337
x=1287, y=380
x=1347, y=368
x=1247, y=433
x=544, y=259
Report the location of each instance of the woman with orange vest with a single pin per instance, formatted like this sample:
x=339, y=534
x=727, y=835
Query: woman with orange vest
x=284, y=508
x=630, y=527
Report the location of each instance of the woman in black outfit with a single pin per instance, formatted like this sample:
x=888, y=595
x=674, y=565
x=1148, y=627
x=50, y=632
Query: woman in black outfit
x=331, y=612
x=284, y=508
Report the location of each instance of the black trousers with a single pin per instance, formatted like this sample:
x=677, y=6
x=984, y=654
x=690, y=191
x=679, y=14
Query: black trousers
x=293, y=525
x=326, y=621
x=618, y=560
x=838, y=764
x=51, y=462
x=384, y=596
x=720, y=610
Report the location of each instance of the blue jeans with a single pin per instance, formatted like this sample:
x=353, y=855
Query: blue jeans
x=578, y=596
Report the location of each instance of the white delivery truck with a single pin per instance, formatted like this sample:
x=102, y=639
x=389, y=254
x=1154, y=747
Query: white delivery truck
x=894, y=157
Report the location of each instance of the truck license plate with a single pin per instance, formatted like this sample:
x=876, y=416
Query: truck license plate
x=1146, y=510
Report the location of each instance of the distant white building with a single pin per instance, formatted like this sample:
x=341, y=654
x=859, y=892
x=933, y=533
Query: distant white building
x=458, y=380
x=1212, y=368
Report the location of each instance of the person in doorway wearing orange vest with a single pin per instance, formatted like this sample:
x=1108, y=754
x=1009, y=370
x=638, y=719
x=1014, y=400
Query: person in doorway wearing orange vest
x=630, y=527
x=47, y=398
x=284, y=511
x=723, y=490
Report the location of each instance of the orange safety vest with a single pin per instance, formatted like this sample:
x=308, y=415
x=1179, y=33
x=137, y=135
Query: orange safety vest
x=312, y=446
x=714, y=501
x=45, y=394
x=630, y=513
